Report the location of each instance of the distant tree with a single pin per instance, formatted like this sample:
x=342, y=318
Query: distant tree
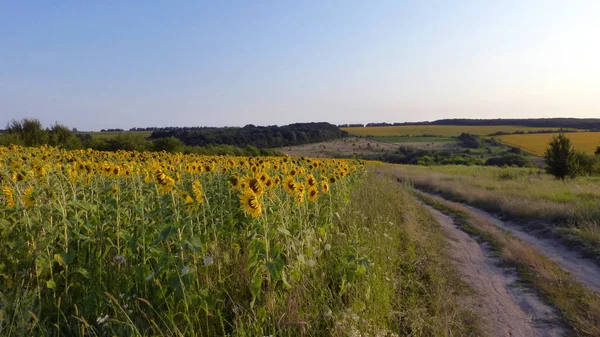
x=470, y=141
x=29, y=131
x=560, y=158
x=170, y=144
x=60, y=135
x=597, y=150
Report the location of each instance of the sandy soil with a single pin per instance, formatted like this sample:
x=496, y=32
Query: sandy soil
x=506, y=309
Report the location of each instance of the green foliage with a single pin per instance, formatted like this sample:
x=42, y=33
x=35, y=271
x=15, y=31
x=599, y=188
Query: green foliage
x=170, y=144
x=29, y=131
x=560, y=158
x=470, y=141
x=62, y=136
x=597, y=152
x=257, y=136
x=587, y=165
x=510, y=159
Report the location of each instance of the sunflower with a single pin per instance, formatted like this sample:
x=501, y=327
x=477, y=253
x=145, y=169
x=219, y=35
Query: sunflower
x=28, y=199
x=115, y=190
x=332, y=179
x=235, y=182
x=289, y=184
x=197, y=190
x=186, y=197
x=269, y=183
x=250, y=203
x=311, y=181
x=324, y=186
x=256, y=186
x=263, y=177
x=8, y=195
x=313, y=193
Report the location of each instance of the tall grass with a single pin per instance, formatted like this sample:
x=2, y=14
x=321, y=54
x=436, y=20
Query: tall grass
x=569, y=210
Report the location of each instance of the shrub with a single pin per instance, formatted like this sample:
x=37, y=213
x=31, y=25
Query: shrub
x=560, y=158
x=509, y=160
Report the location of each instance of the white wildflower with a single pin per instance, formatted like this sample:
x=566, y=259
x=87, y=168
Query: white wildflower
x=311, y=263
x=208, y=260
x=185, y=270
x=327, y=247
x=149, y=277
x=102, y=320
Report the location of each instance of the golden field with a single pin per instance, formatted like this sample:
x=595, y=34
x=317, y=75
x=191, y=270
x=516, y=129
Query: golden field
x=537, y=143
x=437, y=130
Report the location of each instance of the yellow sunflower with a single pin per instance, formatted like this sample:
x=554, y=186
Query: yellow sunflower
x=313, y=193
x=250, y=203
x=289, y=184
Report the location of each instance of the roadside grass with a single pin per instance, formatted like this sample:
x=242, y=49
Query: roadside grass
x=579, y=306
x=567, y=210
x=413, y=284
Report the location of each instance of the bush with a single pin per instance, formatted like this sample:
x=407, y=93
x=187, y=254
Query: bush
x=560, y=158
x=170, y=144
x=29, y=131
x=509, y=160
x=470, y=141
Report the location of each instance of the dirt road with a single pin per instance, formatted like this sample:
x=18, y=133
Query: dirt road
x=506, y=309
x=584, y=270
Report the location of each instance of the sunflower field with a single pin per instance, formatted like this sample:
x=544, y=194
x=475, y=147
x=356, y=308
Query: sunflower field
x=139, y=243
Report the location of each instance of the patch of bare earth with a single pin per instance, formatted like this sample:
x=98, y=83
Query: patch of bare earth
x=505, y=308
x=340, y=148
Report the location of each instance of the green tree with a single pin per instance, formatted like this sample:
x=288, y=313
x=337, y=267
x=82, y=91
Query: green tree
x=597, y=150
x=60, y=135
x=561, y=158
x=29, y=131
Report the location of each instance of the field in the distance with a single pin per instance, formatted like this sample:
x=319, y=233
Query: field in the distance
x=437, y=130
x=537, y=143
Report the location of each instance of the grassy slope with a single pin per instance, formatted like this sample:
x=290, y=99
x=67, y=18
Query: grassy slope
x=579, y=306
x=568, y=210
x=438, y=130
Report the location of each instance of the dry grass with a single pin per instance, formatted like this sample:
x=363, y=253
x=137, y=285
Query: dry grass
x=437, y=130
x=569, y=209
x=537, y=143
x=340, y=148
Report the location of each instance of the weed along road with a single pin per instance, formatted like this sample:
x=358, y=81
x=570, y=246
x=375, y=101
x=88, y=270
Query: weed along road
x=505, y=308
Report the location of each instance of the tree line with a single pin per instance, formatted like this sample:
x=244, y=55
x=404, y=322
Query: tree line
x=258, y=136
x=30, y=132
x=573, y=123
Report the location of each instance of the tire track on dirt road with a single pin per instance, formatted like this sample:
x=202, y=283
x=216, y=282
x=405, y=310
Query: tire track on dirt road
x=505, y=308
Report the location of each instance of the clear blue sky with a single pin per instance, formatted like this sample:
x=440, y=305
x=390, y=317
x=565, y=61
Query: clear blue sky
x=109, y=64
